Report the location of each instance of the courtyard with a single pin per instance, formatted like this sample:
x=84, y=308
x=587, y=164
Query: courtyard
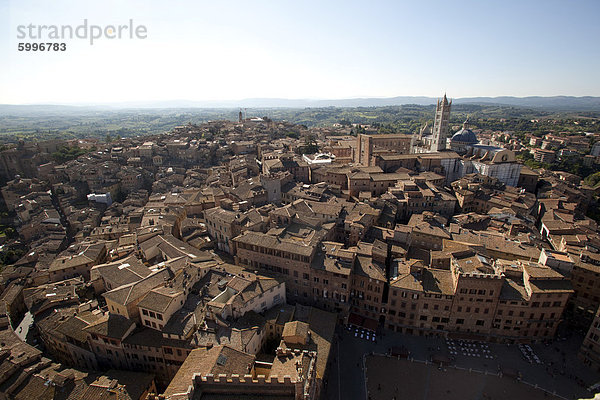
x=552, y=367
x=393, y=378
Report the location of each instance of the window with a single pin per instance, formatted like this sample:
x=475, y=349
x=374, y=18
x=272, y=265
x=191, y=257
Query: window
x=460, y=321
x=145, y=312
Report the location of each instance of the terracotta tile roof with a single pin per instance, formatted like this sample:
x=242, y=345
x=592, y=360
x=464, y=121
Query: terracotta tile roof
x=134, y=291
x=365, y=266
x=111, y=325
x=217, y=360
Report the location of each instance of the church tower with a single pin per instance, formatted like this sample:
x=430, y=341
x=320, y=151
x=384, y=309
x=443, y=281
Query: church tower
x=440, y=124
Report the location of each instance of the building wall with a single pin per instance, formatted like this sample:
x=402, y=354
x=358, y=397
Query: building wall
x=474, y=303
x=507, y=173
x=367, y=296
x=366, y=145
x=220, y=230
x=109, y=352
x=293, y=269
x=425, y=241
x=475, y=310
x=129, y=311
x=330, y=291
x=586, y=299
x=71, y=272
x=274, y=296
x=148, y=359
x=82, y=357
x=156, y=320
x=590, y=349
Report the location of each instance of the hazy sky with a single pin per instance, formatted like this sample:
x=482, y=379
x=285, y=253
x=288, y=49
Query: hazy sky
x=218, y=50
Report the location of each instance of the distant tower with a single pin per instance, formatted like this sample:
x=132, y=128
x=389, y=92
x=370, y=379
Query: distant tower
x=240, y=116
x=440, y=125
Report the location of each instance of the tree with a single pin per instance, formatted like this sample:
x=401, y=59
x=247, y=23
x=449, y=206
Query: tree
x=310, y=145
x=593, y=179
x=66, y=153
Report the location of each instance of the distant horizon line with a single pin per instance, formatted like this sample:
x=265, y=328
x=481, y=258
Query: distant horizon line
x=231, y=102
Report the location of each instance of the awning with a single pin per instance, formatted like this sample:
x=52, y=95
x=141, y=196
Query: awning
x=510, y=372
x=440, y=359
x=362, y=322
x=400, y=352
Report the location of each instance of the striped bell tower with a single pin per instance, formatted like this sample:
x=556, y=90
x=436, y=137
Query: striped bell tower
x=440, y=124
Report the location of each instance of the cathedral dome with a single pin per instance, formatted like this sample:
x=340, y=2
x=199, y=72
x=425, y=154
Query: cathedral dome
x=465, y=135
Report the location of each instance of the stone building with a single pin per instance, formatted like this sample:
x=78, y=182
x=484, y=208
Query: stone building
x=479, y=298
x=590, y=349
x=369, y=146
